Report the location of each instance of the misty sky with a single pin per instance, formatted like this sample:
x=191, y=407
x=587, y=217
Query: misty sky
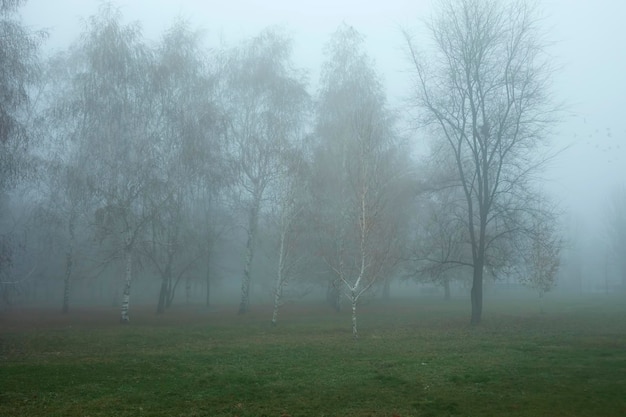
x=589, y=47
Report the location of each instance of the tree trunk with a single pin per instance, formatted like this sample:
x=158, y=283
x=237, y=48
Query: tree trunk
x=354, y=299
x=171, y=289
x=333, y=295
x=162, y=296
x=278, y=287
x=188, y=290
x=67, y=282
x=126, y=295
x=208, y=277
x=244, y=306
x=277, y=300
x=387, y=289
x=446, y=290
x=477, y=292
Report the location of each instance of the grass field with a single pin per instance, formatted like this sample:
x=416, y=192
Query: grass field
x=415, y=358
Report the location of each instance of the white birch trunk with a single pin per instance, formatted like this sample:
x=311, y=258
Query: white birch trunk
x=354, y=299
x=278, y=287
x=126, y=294
x=277, y=300
x=244, y=306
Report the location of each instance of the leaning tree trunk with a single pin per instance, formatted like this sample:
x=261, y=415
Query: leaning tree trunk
x=244, y=306
x=280, y=279
x=126, y=294
x=163, y=295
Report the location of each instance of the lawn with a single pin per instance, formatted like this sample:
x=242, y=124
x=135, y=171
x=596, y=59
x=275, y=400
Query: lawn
x=414, y=358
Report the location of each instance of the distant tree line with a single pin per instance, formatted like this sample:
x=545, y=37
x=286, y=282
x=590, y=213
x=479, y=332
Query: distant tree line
x=121, y=157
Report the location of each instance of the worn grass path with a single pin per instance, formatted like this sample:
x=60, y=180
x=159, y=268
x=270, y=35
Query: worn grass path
x=417, y=358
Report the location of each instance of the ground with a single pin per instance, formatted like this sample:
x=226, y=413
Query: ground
x=417, y=357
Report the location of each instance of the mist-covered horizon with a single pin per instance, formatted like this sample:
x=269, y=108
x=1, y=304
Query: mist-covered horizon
x=587, y=139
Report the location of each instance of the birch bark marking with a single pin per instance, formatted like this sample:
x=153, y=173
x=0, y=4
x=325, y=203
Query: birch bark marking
x=244, y=306
x=355, y=299
x=126, y=295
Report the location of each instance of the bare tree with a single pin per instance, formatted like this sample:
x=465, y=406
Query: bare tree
x=485, y=93
x=356, y=170
x=290, y=199
x=19, y=59
x=187, y=125
x=19, y=54
x=266, y=103
x=113, y=104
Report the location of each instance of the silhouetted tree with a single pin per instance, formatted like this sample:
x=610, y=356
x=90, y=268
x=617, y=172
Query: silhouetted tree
x=485, y=93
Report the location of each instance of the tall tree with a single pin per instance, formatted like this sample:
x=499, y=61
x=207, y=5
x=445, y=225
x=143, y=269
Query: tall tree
x=485, y=92
x=19, y=54
x=19, y=70
x=113, y=104
x=266, y=103
x=186, y=128
x=357, y=170
x=64, y=194
x=289, y=202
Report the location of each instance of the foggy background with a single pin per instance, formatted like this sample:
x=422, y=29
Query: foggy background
x=588, y=49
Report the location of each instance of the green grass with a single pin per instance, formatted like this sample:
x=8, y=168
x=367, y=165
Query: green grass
x=414, y=359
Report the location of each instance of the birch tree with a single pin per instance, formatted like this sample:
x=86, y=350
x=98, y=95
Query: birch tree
x=112, y=103
x=290, y=198
x=187, y=127
x=19, y=55
x=355, y=172
x=266, y=103
x=65, y=196
x=20, y=65
x=484, y=92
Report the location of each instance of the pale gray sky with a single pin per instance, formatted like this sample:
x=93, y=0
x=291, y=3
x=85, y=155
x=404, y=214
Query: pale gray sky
x=589, y=47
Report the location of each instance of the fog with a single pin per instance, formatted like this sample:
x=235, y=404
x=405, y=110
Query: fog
x=587, y=49
x=583, y=178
